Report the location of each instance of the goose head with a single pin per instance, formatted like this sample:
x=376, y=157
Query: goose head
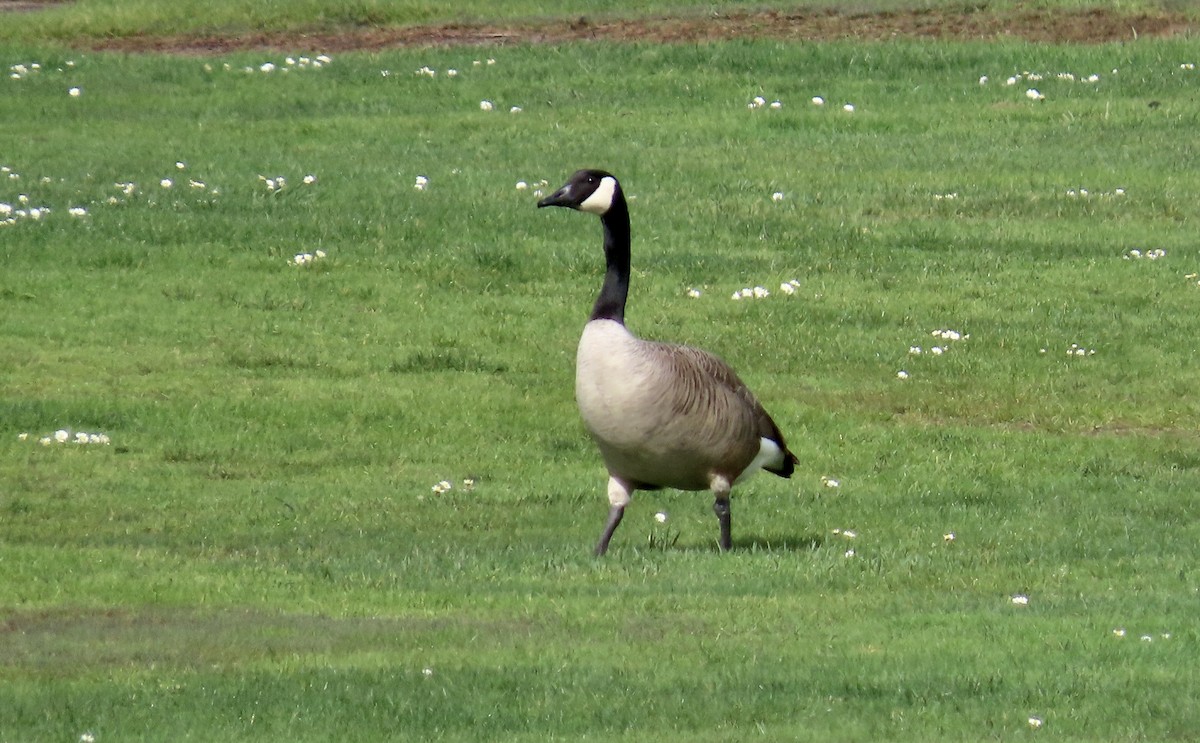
x=592, y=191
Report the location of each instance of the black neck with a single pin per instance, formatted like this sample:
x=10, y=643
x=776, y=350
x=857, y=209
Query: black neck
x=610, y=305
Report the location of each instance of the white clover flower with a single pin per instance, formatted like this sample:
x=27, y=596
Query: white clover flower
x=515, y=110
x=983, y=79
x=1020, y=599
x=522, y=185
x=267, y=67
x=24, y=436
x=937, y=350
x=61, y=435
x=948, y=537
x=759, y=101
x=787, y=288
x=324, y=58
x=848, y=108
x=427, y=672
x=760, y=292
x=830, y=482
x=468, y=484
x=166, y=183
x=914, y=350
x=77, y=211
x=74, y=92
x=818, y=100
x=736, y=296
x=848, y=553
x=661, y=517
x=310, y=179
x=901, y=375
x=452, y=73
x=776, y=105
x=486, y=105
x=777, y=196
x=421, y=183
x=87, y=737
x=1035, y=722
x=1034, y=94
x=693, y=293
x=1119, y=632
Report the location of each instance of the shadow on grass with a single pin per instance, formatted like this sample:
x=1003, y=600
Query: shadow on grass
x=773, y=543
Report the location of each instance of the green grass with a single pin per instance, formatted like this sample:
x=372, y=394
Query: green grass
x=258, y=554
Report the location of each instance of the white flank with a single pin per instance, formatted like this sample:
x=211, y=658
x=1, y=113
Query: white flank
x=601, y=199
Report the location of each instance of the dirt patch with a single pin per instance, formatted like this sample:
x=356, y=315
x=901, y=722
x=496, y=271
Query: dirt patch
x=1079, y=26
x=17, y=6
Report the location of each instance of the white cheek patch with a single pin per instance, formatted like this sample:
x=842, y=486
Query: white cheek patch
x=602, y=198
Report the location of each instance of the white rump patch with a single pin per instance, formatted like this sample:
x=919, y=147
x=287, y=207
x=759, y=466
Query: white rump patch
x=601, y=199
x=769, y=453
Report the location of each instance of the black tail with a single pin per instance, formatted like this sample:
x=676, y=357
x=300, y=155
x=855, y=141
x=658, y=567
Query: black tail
x=788, y=466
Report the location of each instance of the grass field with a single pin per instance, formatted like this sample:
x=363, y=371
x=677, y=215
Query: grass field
x=352, y=499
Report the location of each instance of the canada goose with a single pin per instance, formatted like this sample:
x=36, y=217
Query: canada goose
x=663, y=415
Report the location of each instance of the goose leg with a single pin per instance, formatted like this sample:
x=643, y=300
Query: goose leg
x=614, y=519
x=721, y=508
x=619, y=495
x=720, y=488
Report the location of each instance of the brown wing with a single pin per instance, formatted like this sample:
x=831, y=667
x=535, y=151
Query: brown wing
x=708, y=394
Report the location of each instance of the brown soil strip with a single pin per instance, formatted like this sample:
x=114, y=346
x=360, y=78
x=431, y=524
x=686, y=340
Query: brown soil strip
x=1083, y=26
